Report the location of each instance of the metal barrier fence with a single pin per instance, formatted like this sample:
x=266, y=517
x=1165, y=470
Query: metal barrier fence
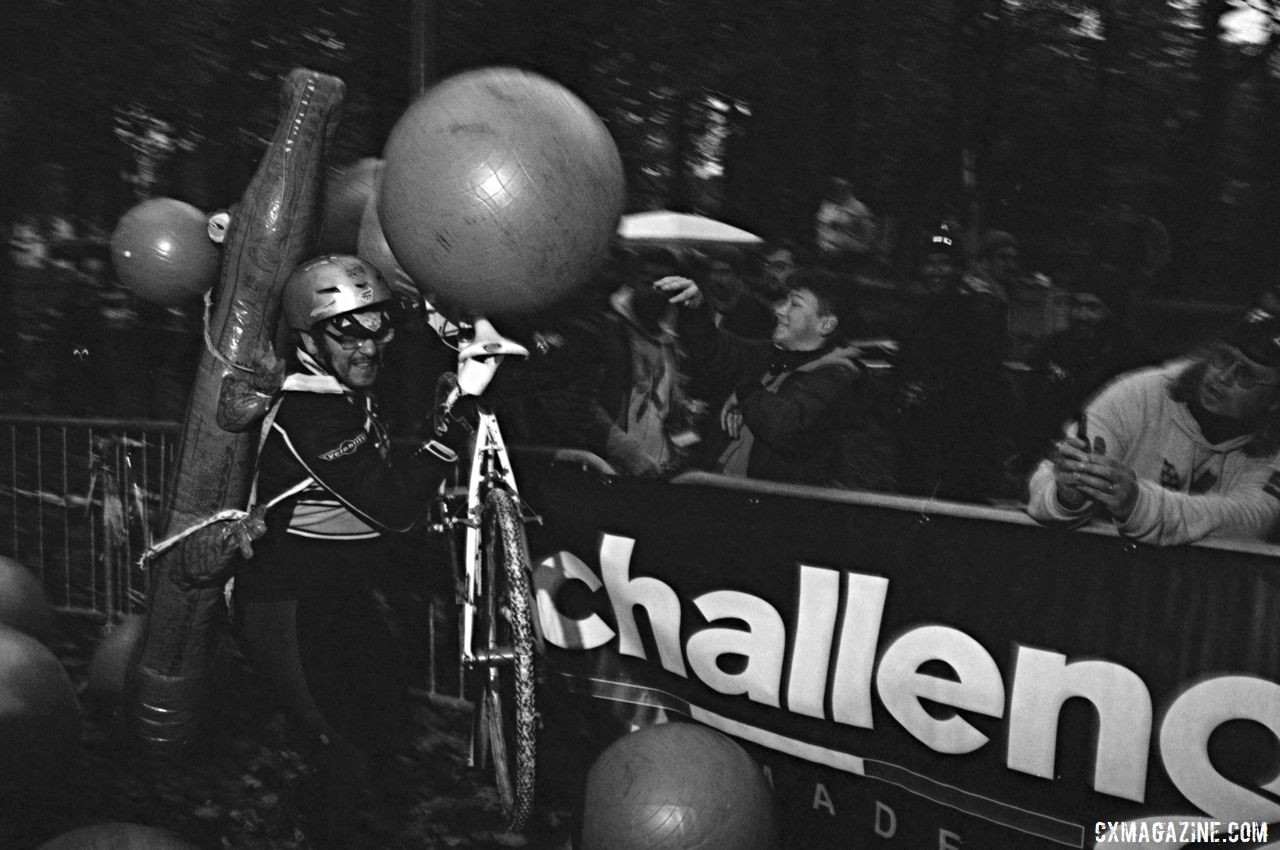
x=79, y=501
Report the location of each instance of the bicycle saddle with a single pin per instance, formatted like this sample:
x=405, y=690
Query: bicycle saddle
x=487, y=342
x=478, y=360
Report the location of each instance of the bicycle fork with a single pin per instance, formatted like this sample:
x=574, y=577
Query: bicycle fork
x=490, y=466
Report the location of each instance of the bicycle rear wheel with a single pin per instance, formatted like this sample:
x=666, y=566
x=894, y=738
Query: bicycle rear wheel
x=506, y=711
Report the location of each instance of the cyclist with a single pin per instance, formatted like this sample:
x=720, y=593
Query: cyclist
x=303, y=603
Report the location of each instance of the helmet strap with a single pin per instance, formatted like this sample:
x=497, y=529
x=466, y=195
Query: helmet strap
x=310, y=342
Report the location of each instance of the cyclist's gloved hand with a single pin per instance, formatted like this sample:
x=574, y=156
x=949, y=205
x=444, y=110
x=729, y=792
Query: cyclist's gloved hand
x=248, y=529
x=268, y=372
x=451, y=431
x=455, y=433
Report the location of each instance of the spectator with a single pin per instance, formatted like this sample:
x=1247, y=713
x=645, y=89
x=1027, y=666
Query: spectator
x=1070, y=365
x=952, y=399
x=641, y=384
x=790, y=397
x=304, y=602
x=553, y=397
x=734, y=307
x=844, y=230
x=777, y=264
x=604, y=374
x=938, y=265
x=1181, y=452
x=996, y=266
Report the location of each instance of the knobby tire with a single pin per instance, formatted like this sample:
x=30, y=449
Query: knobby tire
x=507, y=708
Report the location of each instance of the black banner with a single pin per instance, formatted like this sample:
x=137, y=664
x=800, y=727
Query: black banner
x=925, y=675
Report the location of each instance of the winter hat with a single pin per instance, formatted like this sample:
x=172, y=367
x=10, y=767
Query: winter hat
x=940, y=241
x=1257, y=336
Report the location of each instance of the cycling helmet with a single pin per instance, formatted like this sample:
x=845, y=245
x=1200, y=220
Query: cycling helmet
x=329, y=286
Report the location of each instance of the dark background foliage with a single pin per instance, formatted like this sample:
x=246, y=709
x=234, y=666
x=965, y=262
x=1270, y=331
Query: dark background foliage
x=738, y=110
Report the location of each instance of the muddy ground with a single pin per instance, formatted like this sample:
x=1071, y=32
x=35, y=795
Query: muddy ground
x=236, y=789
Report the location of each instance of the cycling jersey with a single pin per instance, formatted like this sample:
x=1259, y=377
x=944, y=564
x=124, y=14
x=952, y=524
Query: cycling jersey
x=323, y=433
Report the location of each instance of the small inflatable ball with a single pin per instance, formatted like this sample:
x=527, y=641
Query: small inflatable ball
x=347, y=192
x=117, y=836
x=162, y=252
x=501, y=192
x=39, y=717
x=677, y=786
x=23, y=603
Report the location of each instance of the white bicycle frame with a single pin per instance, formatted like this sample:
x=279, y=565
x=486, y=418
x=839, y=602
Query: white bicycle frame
x=478, y=361
x=489, y=463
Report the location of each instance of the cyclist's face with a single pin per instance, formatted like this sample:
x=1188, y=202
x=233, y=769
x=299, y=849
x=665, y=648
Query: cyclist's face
x=354, y=359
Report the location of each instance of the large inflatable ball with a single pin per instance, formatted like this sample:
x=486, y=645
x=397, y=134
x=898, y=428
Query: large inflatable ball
x=161, y=251
x=501, y=192
x=23, y=603
x=39, y=718
x=117, y=836
x=677, y=786
x=371, y=245
x=346, y=194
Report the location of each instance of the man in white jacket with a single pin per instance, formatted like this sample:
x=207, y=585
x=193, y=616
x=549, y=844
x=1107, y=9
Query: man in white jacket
x=1180, y=452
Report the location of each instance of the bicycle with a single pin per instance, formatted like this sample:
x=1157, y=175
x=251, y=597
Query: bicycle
x=499, y=641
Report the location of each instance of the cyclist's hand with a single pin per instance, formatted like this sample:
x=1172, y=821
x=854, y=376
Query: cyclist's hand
x=248, y=529
x=454, y=427
x=268, y=372
x=454, y=431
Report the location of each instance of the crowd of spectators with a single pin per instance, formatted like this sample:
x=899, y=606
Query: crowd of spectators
x=753, y=361
x=753, y=364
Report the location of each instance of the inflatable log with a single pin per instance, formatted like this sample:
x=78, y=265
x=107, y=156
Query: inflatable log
x=271, y=231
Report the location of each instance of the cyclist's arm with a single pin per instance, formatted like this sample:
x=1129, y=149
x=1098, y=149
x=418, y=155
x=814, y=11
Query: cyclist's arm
x=325, y=435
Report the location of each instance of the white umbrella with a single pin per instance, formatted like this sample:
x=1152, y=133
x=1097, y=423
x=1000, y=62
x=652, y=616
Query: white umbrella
x=681, y=228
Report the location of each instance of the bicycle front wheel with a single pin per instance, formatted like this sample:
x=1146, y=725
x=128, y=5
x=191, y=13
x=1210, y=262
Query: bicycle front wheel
x=507, y=712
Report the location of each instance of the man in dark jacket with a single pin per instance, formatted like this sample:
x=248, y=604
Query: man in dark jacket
x=952, y=397
x=790, y=397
